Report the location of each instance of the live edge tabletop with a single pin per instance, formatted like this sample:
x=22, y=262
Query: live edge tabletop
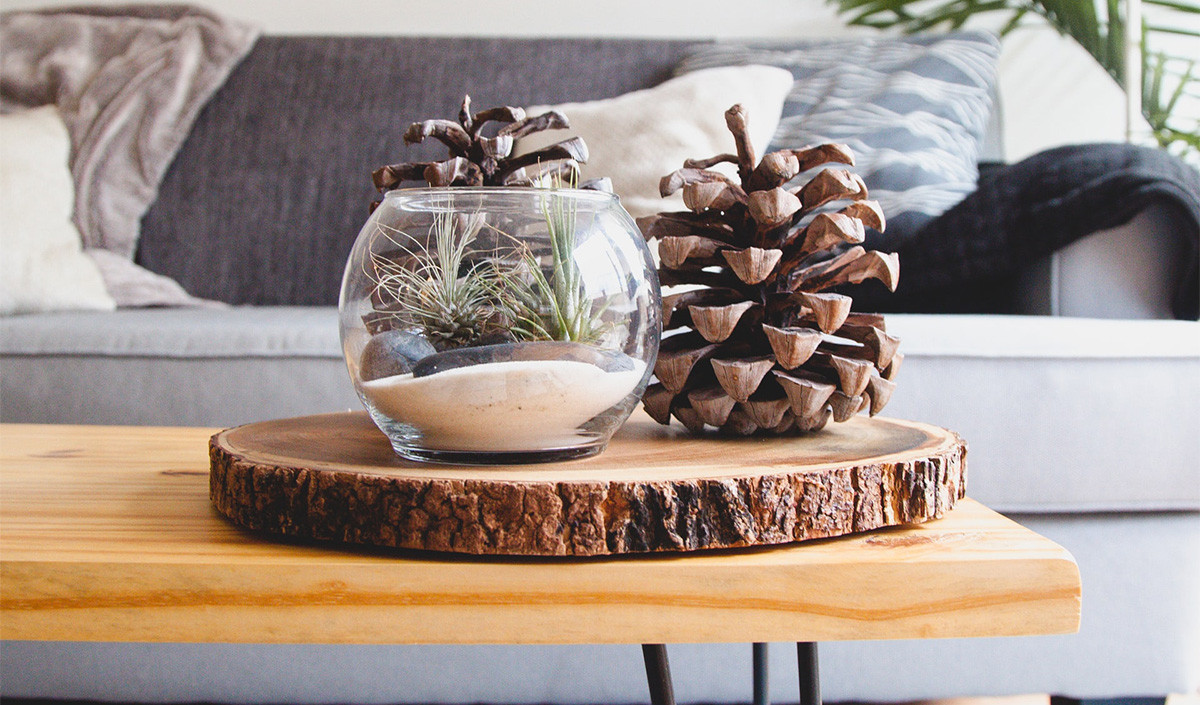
x=108, y=534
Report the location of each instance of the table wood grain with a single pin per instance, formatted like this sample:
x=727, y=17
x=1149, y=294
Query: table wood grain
x=107, y=534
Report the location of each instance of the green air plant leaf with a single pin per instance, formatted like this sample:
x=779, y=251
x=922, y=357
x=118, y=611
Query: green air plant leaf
x=442, y=287
x=1099, y=27
x=556, y=307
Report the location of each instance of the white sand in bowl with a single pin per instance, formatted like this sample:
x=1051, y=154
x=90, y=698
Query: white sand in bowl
x=507, y=406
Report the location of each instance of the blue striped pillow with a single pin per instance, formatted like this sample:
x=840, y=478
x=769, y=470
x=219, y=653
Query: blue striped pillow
x=913, y=109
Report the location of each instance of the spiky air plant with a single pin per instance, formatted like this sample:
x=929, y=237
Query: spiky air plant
x=555, y=306
x=443, y=288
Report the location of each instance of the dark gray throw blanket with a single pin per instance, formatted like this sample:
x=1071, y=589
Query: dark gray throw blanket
x=962, y=261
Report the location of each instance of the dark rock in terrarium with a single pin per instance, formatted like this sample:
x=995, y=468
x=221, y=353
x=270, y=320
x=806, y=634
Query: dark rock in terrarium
x=392, y=353
x=607, y=360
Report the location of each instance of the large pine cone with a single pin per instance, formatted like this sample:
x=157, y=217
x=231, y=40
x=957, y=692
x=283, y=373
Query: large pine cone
x=770, y=349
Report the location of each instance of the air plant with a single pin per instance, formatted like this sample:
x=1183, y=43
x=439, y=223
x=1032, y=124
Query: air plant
x=450, y=293
x=557, y=307
x=458, y=296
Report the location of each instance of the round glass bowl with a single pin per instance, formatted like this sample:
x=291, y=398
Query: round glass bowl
x=499, y=325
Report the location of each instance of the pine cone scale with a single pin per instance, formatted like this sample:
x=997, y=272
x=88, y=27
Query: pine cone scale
x=479, y=160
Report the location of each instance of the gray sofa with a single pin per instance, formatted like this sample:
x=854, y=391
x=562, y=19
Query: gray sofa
x=1082, y=425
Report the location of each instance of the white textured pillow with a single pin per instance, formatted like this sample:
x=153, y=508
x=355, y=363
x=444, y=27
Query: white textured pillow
x=637, y=138
x=42, y=264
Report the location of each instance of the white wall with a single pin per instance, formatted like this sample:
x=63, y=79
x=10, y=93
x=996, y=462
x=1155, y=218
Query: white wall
x=1052, y=91
x=614, y=18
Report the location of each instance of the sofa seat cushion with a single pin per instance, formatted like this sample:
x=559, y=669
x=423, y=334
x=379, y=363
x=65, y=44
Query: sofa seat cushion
x=246, y=331
x=1060, y=414
x=190, y=367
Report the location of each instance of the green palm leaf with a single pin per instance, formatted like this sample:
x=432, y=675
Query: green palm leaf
x=1099, y=27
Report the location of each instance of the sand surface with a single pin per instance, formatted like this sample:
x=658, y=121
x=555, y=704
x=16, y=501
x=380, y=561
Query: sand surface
x=511, y=406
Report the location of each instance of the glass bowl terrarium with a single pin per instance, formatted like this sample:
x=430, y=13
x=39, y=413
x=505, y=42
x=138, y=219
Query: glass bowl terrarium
x=499, y=325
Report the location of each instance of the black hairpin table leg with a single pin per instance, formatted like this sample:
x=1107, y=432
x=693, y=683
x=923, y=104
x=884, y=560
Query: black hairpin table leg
x=810, y=673
x=762, y=696
x=658, y=674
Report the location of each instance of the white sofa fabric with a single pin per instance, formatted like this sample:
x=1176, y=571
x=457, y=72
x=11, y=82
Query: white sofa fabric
x=224, y=366
x=1056, y=410
x=1129, y=271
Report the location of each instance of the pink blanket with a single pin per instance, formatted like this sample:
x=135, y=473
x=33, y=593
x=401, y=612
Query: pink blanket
x=129, y=82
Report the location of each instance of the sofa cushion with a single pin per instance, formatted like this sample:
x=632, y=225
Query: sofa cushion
x=267, y=194
x=239, y=332
x=914, y=110
x=173, y=367
x=1047, y=405
x=1055, y=411
x=43, y=267
x=637, y=138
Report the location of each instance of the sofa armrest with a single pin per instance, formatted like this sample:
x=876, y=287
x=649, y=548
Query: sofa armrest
x=1130, y=271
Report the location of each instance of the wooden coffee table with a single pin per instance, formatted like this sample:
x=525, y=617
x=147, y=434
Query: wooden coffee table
x=107, y=534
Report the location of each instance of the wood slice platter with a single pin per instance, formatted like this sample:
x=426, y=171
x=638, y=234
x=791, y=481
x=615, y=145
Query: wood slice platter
x=655, y=488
